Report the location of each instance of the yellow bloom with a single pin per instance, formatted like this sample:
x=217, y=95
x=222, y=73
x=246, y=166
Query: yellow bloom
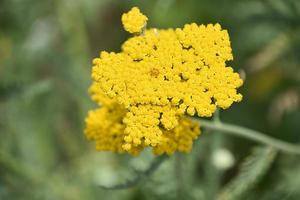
x=134, y=21
x=105, y=126
x=160, y=77
x=180, y=138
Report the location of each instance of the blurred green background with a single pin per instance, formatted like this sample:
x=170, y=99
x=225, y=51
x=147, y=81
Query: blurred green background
x=46, y=48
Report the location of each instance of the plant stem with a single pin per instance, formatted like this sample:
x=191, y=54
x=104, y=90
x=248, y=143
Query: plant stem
x=212, y=173
x=251, y=134
x=179, y=176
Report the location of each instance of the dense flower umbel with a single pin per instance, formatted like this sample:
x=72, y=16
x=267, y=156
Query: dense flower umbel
x=161, y=76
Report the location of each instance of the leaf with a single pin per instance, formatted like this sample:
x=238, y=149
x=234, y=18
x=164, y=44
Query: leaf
x=251, y=172
x=139, y=176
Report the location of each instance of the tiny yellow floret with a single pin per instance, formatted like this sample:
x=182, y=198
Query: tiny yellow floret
x=134, y=21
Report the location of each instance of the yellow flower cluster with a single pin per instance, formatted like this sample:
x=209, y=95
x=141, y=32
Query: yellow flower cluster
x=134, y=21
x=148, y=89
x=105, y=126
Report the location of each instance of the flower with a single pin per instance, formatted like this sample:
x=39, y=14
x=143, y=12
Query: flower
x=105, y=126
x=180, y=138
x=134, y=20
x=159, y=78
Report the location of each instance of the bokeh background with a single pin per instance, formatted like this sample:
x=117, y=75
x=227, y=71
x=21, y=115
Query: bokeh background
x=46, y=48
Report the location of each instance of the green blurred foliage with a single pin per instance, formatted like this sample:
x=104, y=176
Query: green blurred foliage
x=46, y=48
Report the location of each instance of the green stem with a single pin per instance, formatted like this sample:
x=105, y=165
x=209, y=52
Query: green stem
x=250, y=134
x=179, y=176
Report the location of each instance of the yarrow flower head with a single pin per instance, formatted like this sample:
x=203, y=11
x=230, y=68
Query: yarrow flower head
x=148, y=90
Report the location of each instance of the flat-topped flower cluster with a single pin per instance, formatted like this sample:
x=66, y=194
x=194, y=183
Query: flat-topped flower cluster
x=148, y=90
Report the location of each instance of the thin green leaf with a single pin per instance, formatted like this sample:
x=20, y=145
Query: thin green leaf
x=251, y=172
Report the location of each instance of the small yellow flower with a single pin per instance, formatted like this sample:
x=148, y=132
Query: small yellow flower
x=134, y=21
x=156, y=81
